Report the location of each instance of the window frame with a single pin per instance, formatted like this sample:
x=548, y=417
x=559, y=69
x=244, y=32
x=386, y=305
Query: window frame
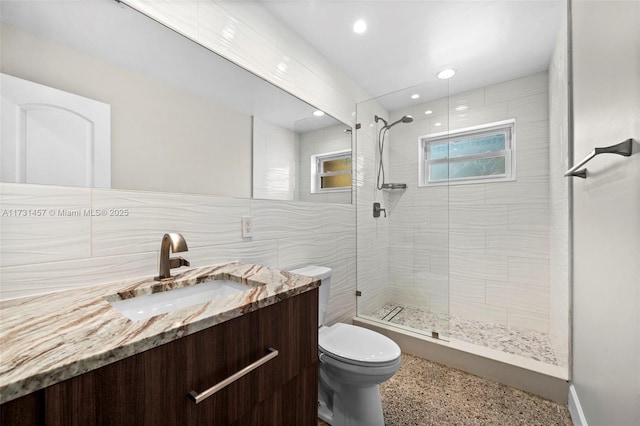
x=316, y=175
x=507, y=127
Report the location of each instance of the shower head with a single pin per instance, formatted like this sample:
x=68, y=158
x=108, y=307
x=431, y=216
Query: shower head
x=404, y=119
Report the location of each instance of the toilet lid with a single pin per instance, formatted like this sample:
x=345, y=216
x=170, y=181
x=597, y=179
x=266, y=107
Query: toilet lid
x=357, y=343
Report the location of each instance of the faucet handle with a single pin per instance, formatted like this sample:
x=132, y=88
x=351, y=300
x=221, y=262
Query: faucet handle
x=176, y=262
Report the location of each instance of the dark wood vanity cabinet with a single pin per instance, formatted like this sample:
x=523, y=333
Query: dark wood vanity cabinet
x=152, y=388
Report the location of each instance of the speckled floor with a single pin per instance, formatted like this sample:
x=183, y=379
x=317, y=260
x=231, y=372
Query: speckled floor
x=425, y=393
x=526, y=343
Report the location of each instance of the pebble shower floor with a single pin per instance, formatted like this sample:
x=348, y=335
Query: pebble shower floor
x=526, y=343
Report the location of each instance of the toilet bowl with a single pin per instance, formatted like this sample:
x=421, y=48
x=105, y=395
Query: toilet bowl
x=353, y=361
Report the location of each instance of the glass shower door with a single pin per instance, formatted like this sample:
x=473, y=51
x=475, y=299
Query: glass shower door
x=402, y=255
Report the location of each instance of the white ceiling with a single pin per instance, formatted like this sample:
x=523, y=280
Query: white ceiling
x=408, y=41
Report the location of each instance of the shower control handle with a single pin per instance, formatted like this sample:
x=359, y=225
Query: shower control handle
x=377, y=209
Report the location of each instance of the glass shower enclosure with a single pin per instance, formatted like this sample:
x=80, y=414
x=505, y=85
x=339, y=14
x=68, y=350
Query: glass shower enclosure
x=469, y=240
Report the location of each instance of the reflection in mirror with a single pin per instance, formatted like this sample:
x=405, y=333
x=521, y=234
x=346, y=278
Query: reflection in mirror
x=181, y=117
x=286, y=161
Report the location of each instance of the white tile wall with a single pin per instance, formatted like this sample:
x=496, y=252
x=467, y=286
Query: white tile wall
x=43, y=224
x=257, y=252
x=466, y=289
x=524, y=244
x=273, y=219
x=478, y=311
x=490, y=240
x=529, y=270
x=529, y=217
x=201, y=221
x=483, y=217
x=518, y=297
x=87, y=250
x=480, y=266
x=41, y=278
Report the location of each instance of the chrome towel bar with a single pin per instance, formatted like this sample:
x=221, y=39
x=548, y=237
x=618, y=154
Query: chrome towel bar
x=623, y=148
x=199, y=397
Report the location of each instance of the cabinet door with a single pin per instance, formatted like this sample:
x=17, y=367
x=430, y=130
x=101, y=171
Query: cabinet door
x=152, y=387
x=27, y=410
x=296, y=403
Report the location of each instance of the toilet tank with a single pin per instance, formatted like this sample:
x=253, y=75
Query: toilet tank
x=324, y=274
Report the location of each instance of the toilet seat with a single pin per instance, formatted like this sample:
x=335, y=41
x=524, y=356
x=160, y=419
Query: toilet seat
x=357, y=345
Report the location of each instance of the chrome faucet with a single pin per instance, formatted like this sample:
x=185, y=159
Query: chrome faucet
x=171, y=242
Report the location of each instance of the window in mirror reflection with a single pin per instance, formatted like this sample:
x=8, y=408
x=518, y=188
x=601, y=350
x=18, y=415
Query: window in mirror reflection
x=331, y=172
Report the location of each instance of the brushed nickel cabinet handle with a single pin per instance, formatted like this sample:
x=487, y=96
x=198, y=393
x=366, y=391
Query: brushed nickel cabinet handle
x=199, y=397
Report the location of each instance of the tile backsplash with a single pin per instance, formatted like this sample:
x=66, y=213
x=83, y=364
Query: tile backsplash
x=51, y=241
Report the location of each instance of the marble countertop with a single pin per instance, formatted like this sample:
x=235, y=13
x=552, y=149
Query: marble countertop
x=52, y=337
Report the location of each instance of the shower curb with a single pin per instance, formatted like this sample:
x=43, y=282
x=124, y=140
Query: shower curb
x=548, y=386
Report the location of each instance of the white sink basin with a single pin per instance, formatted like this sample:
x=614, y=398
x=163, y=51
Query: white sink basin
x=150, y=305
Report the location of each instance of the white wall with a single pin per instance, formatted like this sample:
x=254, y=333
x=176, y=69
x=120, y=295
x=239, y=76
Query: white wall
x=606, y=205
x=275, y=162
x=159, y=131
x=47, y=254
x=481, y=250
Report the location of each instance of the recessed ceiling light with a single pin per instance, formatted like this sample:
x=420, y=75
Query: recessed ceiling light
x=445, y=74
x=428, y=112
x=318, y=113
x=282, y=66
x=462, y=108
x=437, y=124
x=359, y=26
x=415, y=96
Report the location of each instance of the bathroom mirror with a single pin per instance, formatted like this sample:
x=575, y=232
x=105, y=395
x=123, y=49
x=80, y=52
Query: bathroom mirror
x=182, y=118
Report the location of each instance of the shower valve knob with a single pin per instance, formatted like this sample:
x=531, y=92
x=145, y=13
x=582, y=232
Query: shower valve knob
x=377, y=209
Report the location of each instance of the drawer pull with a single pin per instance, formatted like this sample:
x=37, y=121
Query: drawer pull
x=199, y=397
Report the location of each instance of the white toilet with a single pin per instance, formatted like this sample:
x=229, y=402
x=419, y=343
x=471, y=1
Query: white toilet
x=353, y=361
